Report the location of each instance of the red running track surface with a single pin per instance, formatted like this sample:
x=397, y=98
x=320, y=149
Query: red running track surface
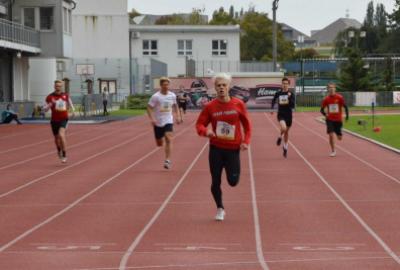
x=113, y=206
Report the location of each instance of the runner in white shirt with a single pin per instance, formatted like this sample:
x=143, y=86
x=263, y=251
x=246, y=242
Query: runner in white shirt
x=159, y=109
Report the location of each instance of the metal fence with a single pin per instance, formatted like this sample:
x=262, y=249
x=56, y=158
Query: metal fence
x=92, y=105
x=14, y=32
x=383, y=99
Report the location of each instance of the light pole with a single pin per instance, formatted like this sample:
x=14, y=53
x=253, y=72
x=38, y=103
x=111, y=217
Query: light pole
x=274, y=34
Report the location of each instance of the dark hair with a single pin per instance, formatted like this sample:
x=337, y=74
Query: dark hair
x=164, y=79
x=285, y=79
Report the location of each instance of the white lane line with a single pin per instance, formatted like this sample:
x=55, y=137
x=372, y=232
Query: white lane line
x=66, y=209
x=38, y=143
x=236, y=264
x=54, y=152
x=260, y=253
x=140, y=236
x=345, y=204
x=2, y=195
x=354, y=156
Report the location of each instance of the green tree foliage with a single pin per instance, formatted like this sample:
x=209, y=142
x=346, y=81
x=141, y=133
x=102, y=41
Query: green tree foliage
x=387, y=81
x=221, y=17
x=195, y=18
x=256, y=39
x=354, y=76
x=133, y=13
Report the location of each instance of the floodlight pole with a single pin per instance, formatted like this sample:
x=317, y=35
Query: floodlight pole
x=274, y=34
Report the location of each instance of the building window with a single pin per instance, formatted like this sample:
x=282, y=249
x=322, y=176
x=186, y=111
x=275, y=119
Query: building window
x=185, y=47
x=150, y=47
x=219, y=47
x=29, y=17
x=46, y=18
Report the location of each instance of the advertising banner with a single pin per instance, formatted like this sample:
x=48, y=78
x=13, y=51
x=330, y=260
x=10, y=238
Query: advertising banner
x=256, y=92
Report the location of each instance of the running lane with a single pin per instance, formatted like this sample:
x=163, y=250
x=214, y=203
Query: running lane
x=304, y=225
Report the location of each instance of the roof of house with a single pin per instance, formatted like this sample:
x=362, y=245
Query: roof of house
x=186, y=28
x=150, y=19
x=329, y=33
x=296, y=33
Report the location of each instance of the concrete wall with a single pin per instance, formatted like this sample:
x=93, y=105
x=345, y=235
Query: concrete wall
x=21, y=79
x=43, y=73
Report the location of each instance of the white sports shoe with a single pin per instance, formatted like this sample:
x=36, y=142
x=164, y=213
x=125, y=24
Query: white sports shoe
x=220, y=214
x=333, y=154
x=167, y=164
x=64, y=160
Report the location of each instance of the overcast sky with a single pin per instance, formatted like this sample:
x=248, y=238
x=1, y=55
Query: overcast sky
x=305, y=15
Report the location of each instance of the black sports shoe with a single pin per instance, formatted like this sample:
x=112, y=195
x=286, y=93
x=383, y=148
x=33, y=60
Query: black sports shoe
x=279, y=141
x=284, y=153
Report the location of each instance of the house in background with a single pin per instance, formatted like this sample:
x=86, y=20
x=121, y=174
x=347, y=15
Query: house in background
x=17, y=43
x=328, y=35
x=186, y=50
x=299, y=39
x=100, y=48
x=52, y=20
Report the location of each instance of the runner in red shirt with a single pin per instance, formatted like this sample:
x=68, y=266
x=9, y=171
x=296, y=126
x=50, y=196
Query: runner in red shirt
x=332, y=109
x=226, y=116
x=59, y=103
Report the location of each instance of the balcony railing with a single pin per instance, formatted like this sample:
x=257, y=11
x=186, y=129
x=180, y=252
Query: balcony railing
x=17, y=33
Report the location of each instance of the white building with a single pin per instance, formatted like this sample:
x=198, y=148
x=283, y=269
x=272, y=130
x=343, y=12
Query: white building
x=209, y=48
x=100, y=48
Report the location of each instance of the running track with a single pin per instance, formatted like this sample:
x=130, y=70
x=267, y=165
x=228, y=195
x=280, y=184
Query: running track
x=112, y=206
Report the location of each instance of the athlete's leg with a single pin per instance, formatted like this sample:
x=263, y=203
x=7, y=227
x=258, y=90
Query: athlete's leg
x=232, y=167
x=215, y=159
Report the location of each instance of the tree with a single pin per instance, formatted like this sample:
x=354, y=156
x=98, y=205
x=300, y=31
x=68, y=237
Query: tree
x=196, y=17
x=256, y=40
x=369, y=18
x=381, y=23
x=231, y=11
x=173, y=19
x=134, y=13
x=221, y=17
x=354, y=76
x=392, y=40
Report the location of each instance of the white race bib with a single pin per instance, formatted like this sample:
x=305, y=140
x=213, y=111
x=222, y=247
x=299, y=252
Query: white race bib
x=333, y=108
x=283, y=100
x=225, y=131
x=166, y=106
x=61, y=105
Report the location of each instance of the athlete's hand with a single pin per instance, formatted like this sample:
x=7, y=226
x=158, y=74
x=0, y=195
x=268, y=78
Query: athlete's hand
x=210, y=134
x=244, y=147
x=153, y=123
x=179, y=121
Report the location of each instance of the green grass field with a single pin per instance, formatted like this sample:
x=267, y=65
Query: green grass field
x=128, y=112
x=390, y=125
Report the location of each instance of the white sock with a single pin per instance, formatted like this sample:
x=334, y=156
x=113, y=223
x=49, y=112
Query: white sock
x=286, y=146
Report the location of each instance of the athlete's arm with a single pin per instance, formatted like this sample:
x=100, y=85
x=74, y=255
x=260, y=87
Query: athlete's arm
x=244, y=119
x=346, y=109
x=274, y=100
x=71, y=106
x=292, y=100
x=323, y=106
x=48, y=104
x=150, y=111
x=177, y=113
x=202, y=122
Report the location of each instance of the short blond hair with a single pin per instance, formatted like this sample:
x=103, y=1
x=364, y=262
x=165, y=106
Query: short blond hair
x=164, y=79
x=222, y=76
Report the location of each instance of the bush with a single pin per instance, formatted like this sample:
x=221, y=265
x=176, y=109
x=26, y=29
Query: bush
x=137, y=101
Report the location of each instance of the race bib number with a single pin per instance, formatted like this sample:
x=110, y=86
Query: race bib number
x=225, y=131
x=61, y=105
x=166, y=106
x=333, y=108
x=283, y=100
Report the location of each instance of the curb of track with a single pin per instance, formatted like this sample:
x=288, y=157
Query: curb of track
x=382, y=145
